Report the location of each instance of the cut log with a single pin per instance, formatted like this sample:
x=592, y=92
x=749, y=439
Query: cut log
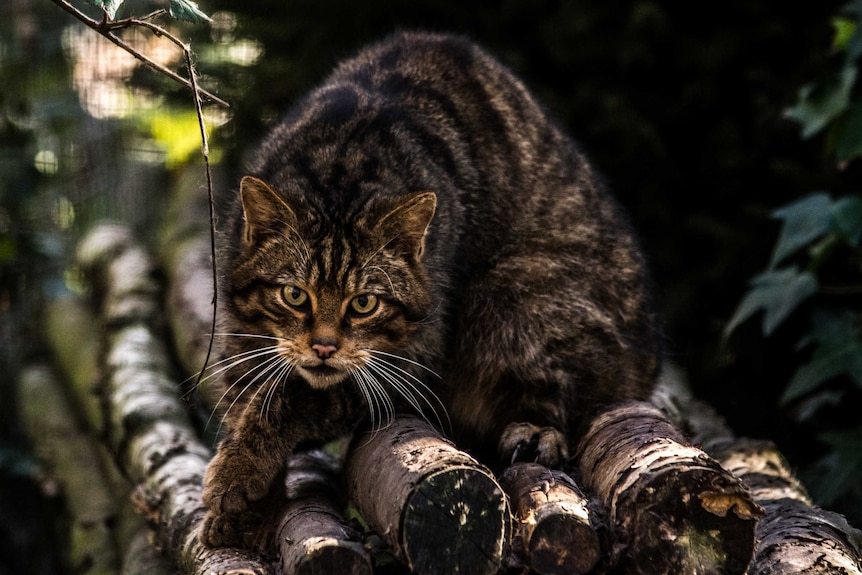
x=313, y=538
x=70, y=455
x=794, y=535
x=437, y=508
x=148, y=426
x=554, y=522
x=672, y=508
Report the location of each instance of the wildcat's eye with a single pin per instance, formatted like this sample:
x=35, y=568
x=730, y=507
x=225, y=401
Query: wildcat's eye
x=294, y=296
x=364, y=304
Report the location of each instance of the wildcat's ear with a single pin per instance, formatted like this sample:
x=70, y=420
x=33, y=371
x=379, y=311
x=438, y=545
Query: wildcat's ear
x=404, y=226
x=263, y=210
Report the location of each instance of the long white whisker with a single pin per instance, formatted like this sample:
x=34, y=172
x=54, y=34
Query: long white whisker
x=408, y=360
x=262, y=368
x=412, y=384
x=409, y=390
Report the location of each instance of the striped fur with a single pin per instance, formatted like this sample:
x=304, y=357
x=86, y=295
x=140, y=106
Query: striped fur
x=423, y=180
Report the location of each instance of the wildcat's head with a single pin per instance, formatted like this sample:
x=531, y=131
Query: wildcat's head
x=328, y=294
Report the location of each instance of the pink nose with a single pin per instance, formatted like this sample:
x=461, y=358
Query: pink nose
x=324, y=351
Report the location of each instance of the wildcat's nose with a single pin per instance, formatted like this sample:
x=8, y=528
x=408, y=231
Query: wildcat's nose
x=324, y=348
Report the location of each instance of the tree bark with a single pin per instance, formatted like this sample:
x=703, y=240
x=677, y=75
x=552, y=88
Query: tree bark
x=554, y=523
x=70, y=455
x=437, y=508
x=794, y=535
x=148, y=426
x=313, y=538
x=672, y=509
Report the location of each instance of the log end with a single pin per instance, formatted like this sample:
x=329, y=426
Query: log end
x=327, y=556
x=562, y=544
x=702, y=521
x=457, y=521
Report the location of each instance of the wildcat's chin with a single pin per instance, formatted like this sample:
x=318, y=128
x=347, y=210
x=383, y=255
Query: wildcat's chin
x=322, y=376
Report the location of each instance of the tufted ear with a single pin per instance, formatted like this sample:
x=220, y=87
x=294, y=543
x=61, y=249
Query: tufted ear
x=404, y=226
x=264, y=211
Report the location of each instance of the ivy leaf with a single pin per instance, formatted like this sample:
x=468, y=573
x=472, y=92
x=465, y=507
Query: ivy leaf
x=848, y=137
x=777, y=293
x=109, y=6
x=804, y=221
x=188, y=10
x=838, y=352
x=847, y=219
x=819, y=103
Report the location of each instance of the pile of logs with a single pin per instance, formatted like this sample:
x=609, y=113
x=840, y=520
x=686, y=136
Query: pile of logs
x=397, y=499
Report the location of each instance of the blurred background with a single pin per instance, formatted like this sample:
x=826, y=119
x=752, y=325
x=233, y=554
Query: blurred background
x=682, y=106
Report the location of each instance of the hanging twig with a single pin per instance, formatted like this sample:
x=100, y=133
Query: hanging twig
x=210, y=196
x=106, y=28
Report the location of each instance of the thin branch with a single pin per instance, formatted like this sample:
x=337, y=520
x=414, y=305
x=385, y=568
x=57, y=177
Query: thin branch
x=105, y=29
x=206, y=153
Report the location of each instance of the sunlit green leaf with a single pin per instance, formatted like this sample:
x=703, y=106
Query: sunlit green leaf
x=847, y=219
x=844, y=29
x=777, y=293
x=848, y=140
x=821, y=102
x=178, y=133
x=804, y=221
x=187, y=10
x=109, y=6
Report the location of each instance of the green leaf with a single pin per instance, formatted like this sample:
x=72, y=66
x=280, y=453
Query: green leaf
x=187, y=10
x=777, y=293
x=109, y=6
x=847, y=219
x=844, y=30
x=848, y=138
x=804, y=221
x=838, y=352
x=819, y=103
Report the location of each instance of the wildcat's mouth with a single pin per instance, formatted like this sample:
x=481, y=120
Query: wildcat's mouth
x=322, y=376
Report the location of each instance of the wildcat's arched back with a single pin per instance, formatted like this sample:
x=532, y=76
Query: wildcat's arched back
x=418, y=234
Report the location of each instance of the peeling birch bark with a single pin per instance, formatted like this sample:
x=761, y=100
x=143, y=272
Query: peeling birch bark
x=435, y=506
x=313, y=537
x=672, y=508
x=553, y=520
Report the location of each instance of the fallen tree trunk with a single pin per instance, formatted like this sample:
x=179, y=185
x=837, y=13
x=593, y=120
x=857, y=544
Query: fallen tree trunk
x=148, y=427
x=672, y=509
x=794, y=535
x=438, y=509
x=554, y=523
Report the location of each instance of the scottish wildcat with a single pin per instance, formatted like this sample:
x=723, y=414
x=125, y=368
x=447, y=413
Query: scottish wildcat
x=418, y=234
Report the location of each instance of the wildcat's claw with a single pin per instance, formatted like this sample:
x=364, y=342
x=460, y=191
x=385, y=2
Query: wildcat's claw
x=230, y=530
x=528, y=442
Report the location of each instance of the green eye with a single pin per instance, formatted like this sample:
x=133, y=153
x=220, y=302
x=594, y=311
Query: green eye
x=364, y=304
x=294, y=296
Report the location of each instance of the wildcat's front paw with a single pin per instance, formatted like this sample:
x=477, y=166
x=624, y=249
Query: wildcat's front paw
x=528, y=442
x=234, y=480
x=228, y=530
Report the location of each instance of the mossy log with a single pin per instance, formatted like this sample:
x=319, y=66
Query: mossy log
x=672, y=508
x=554, y=523
x=148, y=427
x=438, y=509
